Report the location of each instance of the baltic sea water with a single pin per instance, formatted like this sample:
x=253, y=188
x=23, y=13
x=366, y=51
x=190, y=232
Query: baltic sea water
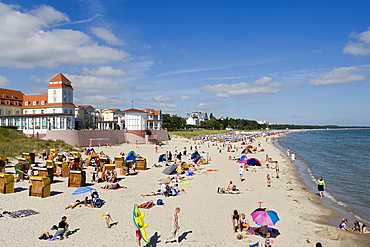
x=342, y=158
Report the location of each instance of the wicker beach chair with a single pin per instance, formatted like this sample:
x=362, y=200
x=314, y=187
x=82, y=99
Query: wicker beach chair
x=6, y=183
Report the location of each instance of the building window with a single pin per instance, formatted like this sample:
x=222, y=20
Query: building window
x=5, y=96
x=43, y=102
x=33, y=111
x=53, y=110
x=17, y=103
x=70, y=111
x=14, y=97
x=1, y=112
x=17, y=112
x=25, y=112
x=26, y=103
x=65, y=111
x=8, y=102
x=42, y=111
x=35, y=103
x=9, y=112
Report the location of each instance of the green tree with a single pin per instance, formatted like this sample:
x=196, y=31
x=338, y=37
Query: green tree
x=173, y=122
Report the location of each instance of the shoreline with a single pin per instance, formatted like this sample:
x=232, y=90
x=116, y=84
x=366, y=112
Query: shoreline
x=336, y=211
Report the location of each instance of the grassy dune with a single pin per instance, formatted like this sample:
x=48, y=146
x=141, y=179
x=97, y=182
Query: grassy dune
x=197, y=132
x=13, y=143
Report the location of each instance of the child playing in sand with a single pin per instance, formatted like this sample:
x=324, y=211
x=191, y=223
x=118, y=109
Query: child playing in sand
x=108, y=219
x=267, y=240
x=343, y=225
x=360, y=227
x=268, y=180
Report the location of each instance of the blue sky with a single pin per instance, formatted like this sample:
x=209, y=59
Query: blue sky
x=298, y=62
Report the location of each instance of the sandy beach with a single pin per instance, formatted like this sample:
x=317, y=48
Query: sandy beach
x=205, y=216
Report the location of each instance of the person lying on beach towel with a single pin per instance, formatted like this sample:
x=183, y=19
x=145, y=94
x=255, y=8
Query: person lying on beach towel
x=45, y=236
x=226, y=191
x=113, y=186
x=147, y=205
x=157, y=193
x=73, y=205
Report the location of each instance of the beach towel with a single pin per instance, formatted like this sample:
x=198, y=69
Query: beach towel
x=22, y=213
x=145, y=205
x=185, y=182
x=115, y=188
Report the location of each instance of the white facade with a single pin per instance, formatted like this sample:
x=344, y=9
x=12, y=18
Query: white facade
x=135, y=119
x=35, y=114
x=195, y=118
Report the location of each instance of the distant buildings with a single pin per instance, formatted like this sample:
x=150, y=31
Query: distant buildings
x=36, y=114
x=130, y=119
x=195, y=118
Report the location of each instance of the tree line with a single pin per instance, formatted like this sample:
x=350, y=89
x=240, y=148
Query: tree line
x=175, y=122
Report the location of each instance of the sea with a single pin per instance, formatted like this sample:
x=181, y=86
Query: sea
x=342, y=158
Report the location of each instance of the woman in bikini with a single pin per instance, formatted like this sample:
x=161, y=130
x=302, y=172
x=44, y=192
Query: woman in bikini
x=244, y=224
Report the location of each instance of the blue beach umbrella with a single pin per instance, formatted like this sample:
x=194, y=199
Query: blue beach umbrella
x=82, y=190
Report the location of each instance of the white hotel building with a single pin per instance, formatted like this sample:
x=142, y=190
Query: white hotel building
x=35, y=114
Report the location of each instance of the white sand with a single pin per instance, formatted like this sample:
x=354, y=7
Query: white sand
x=205, y=216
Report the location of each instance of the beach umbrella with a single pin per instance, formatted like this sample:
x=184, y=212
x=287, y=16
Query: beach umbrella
x=169, y=170
x=82, y=190
x=273, y=232
x=265, y=216
x=194, y=155
x=196, y=159
x=253, y=162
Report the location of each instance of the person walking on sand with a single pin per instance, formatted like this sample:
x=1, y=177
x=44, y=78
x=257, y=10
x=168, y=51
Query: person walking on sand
x=241, y=170
x=175, y=227
x=276, y=169
x=321, y=186
x=108, y=219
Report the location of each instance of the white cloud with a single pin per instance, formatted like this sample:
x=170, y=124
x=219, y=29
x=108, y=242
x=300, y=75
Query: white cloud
x=96, y=85
x=31, y=40
x=185, y=98
x=339, y=76
x=107, y=36
x=206, y=107
x=164, y=105
x=360, y=47
x=3, y=81
x=99, y=101
x=263, y=85
x=104, y=71
x=163, y=98
x=167, y=108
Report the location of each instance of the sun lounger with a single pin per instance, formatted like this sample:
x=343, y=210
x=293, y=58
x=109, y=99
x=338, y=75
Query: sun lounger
x=140, y=164
x=77, y=178
x=40, y=186
x=6, y=183
x=118, y=160
x=47, y=172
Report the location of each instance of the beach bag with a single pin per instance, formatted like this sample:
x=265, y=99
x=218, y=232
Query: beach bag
x=160, y=202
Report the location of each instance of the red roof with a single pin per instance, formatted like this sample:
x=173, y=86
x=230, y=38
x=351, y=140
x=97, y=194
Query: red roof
x=60, y=77
x=133, y=110
x=59, y=85
x=12, y=95
x=83, y=106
